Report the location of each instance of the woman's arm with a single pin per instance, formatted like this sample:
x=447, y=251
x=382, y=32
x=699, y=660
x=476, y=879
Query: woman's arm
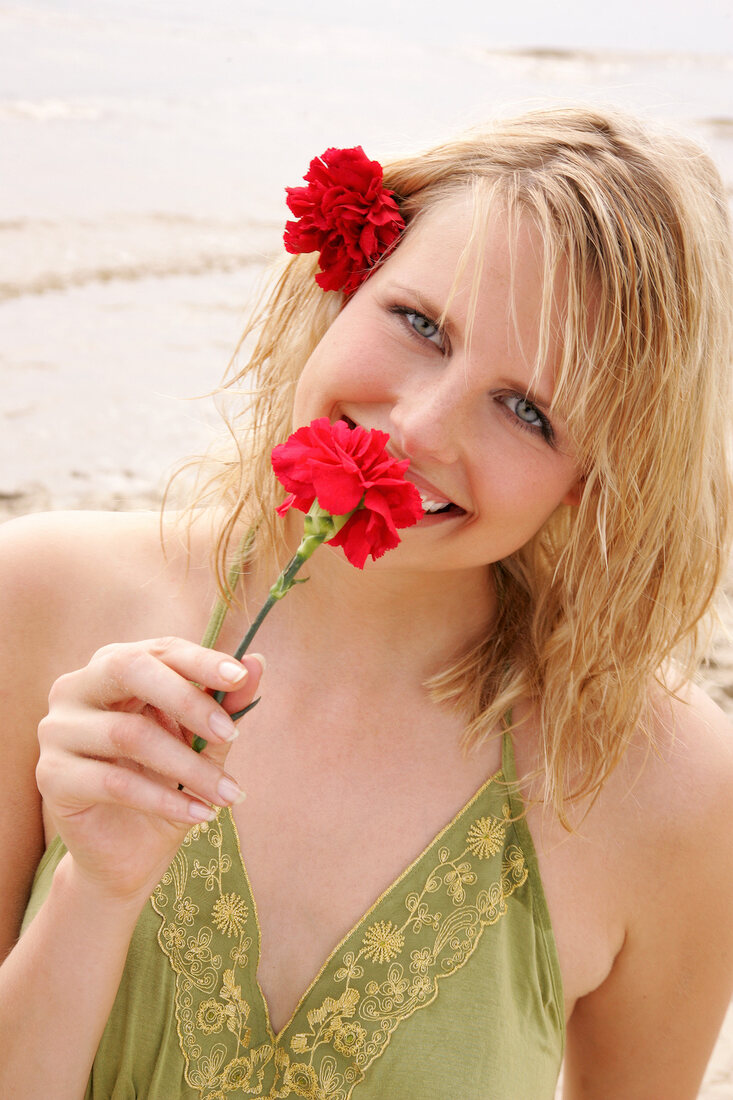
x=24, y=684
x=112, y=751
x=649, y=1029
x=57, y=987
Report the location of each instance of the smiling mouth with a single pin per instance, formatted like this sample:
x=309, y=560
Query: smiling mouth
x=430, y=507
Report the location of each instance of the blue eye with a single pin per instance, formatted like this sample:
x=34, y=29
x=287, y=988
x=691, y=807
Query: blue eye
x=421, y=325
x=528, y=416
x=526, y=411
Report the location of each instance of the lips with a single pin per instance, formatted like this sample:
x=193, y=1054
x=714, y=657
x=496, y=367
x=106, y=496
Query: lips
x=433, y=501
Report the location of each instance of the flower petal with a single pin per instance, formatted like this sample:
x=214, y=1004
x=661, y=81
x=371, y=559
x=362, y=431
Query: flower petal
x=349, y=470
x=345, y=214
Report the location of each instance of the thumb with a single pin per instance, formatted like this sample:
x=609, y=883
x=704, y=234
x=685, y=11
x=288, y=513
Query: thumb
x=237, y=702
x=243, y=698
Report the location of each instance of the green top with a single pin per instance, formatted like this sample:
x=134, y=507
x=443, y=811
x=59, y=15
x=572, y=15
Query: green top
x=449, y=986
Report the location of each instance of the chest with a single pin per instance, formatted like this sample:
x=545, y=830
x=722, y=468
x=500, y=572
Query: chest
x=442, y=957
x=326, y=833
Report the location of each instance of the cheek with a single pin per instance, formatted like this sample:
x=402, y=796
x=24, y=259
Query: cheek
x=341, y=370
x=526, y=490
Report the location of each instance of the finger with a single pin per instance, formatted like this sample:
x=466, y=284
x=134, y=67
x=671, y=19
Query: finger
x=140, y=739
x=106, y=783
x=142, y=678
x=136, y=743
x=209, y=668
x=236, y=700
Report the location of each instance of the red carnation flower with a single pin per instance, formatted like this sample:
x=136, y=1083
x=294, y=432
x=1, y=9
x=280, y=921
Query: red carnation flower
x=345, y=469
x=345, y=214
x=354, y=495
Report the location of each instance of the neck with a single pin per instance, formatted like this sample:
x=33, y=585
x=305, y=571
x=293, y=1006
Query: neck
x=385, y=624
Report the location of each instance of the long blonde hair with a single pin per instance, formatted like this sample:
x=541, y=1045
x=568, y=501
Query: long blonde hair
x=608, y=594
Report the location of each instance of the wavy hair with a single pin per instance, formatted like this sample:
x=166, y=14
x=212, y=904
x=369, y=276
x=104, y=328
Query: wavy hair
x=608, y=594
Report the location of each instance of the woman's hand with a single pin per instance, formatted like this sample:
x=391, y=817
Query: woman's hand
x=115, y=751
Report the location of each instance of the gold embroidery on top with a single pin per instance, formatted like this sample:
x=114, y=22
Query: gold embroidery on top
x=486, y=836
x=393, y=971
x=230, y=914
x=210, y=1016
x=382, y=942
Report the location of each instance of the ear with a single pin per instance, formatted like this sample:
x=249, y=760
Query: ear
x=574, y=495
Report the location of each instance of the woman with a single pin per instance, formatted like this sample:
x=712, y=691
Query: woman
x=538, y=319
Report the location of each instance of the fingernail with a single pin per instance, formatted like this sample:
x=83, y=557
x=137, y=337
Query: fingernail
x=222, y=726
x=232, y=672
x=261, y=659
x=198, y=812
x=229, y=792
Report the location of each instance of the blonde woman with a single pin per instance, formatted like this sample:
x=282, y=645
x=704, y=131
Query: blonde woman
x=488, y=819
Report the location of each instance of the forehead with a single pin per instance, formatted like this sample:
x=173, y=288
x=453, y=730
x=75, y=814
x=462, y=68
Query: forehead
x=470, y=245
x=452, y=232
x=483, y=268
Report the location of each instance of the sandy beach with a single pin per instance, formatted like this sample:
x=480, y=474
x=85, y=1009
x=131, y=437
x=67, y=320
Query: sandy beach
x=146, y=154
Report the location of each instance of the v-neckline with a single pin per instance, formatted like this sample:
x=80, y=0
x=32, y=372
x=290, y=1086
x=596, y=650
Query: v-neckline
x=278, y=1037
x=424, y=928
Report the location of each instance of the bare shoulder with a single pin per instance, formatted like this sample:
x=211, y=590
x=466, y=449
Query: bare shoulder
x=667, y=815
x=70, y=583
x=37, y=551
x=92, y=572
x=705, y=731
x=686, y=776
x=43, y=559
x=684, y=795
x=47, y=537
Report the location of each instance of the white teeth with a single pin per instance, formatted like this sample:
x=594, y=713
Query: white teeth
x=432, y=505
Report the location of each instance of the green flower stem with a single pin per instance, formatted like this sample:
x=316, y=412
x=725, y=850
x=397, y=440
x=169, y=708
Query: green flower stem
x=218, y=614
x=319, y=526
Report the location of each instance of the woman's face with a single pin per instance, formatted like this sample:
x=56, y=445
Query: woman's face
x=463, y=404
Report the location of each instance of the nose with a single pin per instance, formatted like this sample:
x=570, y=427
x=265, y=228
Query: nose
x=430, y=421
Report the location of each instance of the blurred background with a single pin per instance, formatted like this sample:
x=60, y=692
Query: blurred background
x=145, y=145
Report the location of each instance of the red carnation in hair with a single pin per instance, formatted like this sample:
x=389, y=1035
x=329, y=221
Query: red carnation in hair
x=344, y=213
x=344, y=469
